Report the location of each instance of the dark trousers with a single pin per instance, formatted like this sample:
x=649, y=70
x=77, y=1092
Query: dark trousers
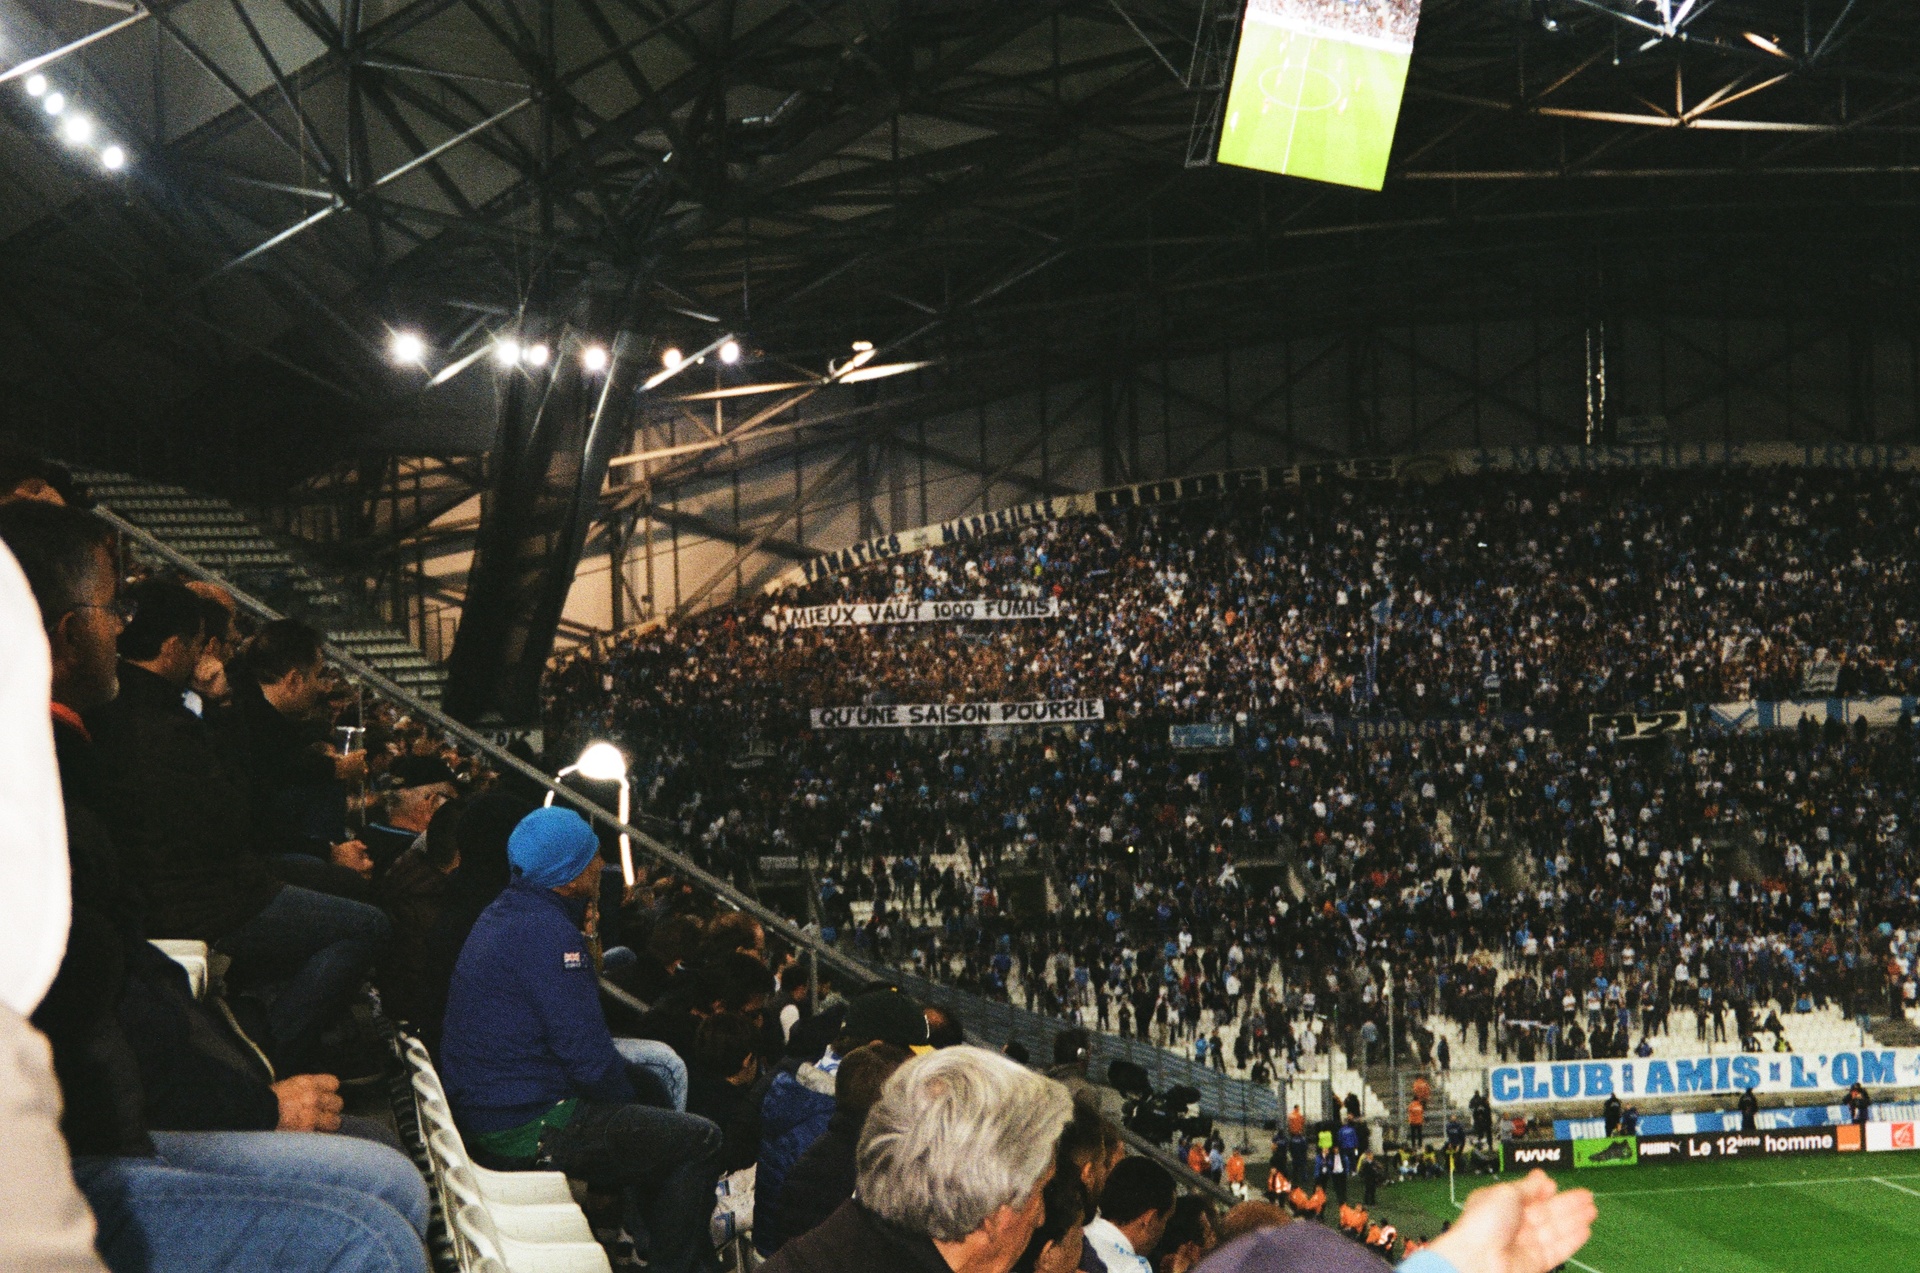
x=664, y=1164
x=1340, y=1186
x=322, y=947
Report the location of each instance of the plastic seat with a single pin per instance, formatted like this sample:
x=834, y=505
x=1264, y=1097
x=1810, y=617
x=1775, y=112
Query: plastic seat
x=190, y=955
x=504, y=1188
x=482, y=1240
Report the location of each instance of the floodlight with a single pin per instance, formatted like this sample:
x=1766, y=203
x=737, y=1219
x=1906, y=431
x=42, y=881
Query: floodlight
x=730, y=351
x=603, y=762
x=506, y=351
x=77, y=129
x=54, y=103
x=535, y=355
x=671, y=358
x=113, y=159
x=36, y=85
x=407, y=347
x=1762, y=42
x=594, y=358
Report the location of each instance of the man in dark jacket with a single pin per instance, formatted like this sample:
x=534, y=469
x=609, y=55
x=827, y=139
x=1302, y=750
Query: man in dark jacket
x=531, y=1070
x=173, y=809
x=824, y=1177
x=414, y=891
x=294, y=781
x=952, y=1162
x=725, y=1085
x=800, y=1102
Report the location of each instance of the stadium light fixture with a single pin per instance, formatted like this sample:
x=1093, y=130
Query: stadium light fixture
x=603, y=762
x=506, y=351
x=54, y=103
x=594, y=358
x=36, y=85
x=535, y=355
x=673, y=362
x=407, y=347
x=113, y=158
x=730, y=352
x=76, y=129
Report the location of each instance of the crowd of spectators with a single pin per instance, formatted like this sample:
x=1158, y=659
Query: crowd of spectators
x=1550, y=889
x=1374, y=19
x=1546, y=597
x=187, y=784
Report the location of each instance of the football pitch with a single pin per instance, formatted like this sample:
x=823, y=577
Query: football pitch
x=1855, y=1212
x=1312, y=106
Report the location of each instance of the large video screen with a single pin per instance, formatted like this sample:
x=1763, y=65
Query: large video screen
x=1316, y=88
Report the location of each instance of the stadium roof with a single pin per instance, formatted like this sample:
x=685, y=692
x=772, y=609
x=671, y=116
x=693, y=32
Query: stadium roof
x=1012, y=189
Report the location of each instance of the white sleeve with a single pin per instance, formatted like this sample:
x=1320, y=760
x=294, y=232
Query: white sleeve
x=33, y=835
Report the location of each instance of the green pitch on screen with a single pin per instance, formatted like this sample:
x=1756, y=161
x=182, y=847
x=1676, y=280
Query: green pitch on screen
x=1835, y=1213
x=1312, y=106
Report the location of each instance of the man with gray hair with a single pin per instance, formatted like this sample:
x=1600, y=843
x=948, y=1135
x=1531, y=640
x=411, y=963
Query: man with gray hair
x=950, y=1167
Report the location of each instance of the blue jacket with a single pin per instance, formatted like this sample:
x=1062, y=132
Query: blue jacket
x=798, y=1106
x=524, y=1029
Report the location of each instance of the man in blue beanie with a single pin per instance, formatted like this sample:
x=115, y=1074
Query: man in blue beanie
x=534, y=1076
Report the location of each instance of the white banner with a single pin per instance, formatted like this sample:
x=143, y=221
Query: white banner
x=1743, y=717
x=1765, y=1072
x=1052, y=711
x=866, y=614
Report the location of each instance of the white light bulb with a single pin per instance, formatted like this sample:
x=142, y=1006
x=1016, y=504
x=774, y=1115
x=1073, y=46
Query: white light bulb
x=113, y=159
x=54, y=103
x=77, y=129
x=36, y=85
x=602, y=762
x=408, y=347
x=536, y=355
x=730, y=352
x=594, y=358
x=671, y=358
x=506, y=351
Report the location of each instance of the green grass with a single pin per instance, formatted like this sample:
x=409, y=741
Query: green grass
x=1851, y=1213
x=1312, y=106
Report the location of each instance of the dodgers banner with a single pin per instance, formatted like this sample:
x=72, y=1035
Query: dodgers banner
x=869, y=614
x=1699, y=1075
x=1053, y=711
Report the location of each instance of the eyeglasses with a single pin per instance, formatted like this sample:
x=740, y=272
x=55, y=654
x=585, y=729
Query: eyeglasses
x=125, y=607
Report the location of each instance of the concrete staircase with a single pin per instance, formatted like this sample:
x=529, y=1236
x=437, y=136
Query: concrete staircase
x=214, y=534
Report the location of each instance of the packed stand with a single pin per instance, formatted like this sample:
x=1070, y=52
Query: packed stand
x=1734, y=879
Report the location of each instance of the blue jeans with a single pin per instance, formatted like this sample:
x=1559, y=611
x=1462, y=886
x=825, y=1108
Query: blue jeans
x=323, y=946
x=657, y=1072
x=296, y=1202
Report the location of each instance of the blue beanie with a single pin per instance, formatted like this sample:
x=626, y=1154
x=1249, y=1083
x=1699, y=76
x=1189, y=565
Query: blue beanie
x=551, y=847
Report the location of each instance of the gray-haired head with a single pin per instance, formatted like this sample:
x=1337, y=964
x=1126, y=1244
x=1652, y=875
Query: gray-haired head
x=955, y=1136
